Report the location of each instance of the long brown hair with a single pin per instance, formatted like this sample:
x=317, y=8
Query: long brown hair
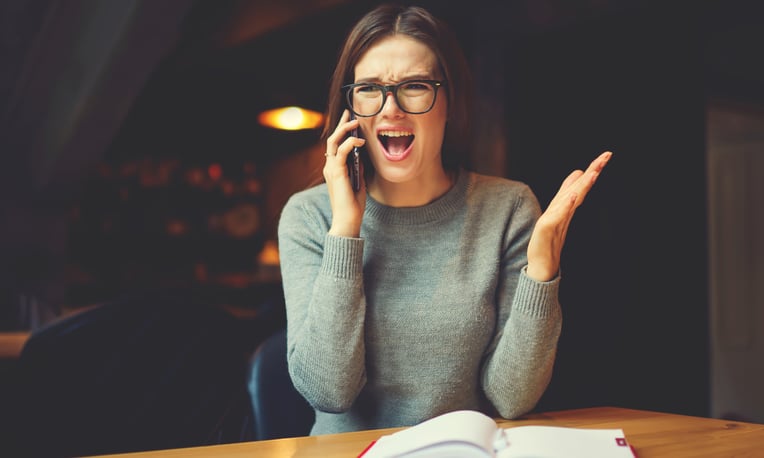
x=419, y=24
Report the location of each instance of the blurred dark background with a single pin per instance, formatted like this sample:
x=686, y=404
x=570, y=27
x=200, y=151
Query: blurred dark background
x=132, y=160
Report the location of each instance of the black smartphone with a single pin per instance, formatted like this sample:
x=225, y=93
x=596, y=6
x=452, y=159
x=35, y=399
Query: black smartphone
x=354, y=163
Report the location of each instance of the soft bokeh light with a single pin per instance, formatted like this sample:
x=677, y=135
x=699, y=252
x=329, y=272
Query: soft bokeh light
x=215, y=171
x=291, y=118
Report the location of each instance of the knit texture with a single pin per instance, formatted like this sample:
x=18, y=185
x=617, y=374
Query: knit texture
x=429, y=311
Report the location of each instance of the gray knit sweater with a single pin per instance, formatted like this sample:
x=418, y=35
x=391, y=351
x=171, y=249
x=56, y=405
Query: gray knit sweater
x=427, y=312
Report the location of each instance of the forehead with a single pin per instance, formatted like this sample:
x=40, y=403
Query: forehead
x=395, y=58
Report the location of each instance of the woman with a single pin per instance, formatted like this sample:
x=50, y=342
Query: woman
x=432, y=288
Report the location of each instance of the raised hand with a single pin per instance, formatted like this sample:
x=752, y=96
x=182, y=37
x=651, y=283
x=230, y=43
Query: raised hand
x=347, y=206
x=548, y=238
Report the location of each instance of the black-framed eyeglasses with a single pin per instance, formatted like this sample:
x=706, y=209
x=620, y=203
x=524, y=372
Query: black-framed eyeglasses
x=412, y=96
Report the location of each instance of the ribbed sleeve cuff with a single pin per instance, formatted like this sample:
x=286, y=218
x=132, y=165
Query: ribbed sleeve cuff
x=343, y=256
x=538, y=299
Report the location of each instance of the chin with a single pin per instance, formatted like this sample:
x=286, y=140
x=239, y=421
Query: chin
x=396, y=174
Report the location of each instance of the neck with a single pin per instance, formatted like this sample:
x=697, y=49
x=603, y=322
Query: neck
x=414, y=193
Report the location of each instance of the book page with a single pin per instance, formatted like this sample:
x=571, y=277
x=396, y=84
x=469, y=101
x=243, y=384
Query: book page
x=471, y=432
x=564, y=442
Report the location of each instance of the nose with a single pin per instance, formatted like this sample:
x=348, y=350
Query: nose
x=390, y=106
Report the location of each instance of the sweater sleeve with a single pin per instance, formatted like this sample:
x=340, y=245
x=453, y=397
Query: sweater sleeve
x=323, y=288
x=520, y=359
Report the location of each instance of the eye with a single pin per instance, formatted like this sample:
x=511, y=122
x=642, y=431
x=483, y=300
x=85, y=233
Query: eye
x=367, y=89
x=415, y=86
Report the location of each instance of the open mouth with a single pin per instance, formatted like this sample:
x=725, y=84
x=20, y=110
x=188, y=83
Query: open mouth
x=395, y=143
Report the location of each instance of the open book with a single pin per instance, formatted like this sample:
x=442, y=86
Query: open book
x=468, y=433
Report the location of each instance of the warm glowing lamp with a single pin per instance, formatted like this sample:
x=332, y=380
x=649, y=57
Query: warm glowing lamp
x=291, y=118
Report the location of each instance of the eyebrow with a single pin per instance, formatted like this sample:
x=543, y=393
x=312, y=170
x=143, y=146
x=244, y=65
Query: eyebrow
x=419, y=76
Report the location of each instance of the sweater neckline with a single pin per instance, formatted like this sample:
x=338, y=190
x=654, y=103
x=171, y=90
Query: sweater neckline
x=442, y=207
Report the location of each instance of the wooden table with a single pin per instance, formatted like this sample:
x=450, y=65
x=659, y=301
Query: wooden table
x=652, y=434
x=11, y=344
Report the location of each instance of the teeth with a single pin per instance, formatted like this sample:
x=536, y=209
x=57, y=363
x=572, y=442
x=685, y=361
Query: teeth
x=395, y=133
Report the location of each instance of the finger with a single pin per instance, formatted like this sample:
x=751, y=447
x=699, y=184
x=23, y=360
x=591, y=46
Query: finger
x=563, y=192
x=561, y=209
x=587, y=180
x=595, y=166
x=581, y=182
x=599, y=163
x=344, y=127
x=570, y=179
x=346, y=148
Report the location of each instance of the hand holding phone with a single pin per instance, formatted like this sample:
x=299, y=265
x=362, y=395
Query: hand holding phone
x=354, y=163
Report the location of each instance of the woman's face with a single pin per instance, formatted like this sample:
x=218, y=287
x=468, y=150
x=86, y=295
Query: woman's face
x=403, y=147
